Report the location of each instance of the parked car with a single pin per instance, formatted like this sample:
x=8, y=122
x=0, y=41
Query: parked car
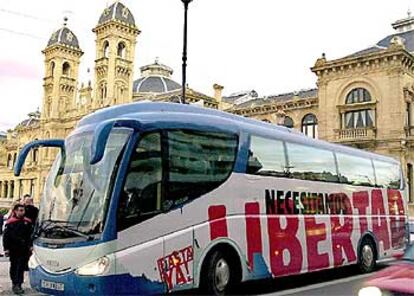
x=397, y=279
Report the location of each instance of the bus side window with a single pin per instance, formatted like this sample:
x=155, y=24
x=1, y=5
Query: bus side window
x=388, y=175
x=311, y=163
x=266, y=157
x=355, y=170
x=198, y=162
x=141, y=196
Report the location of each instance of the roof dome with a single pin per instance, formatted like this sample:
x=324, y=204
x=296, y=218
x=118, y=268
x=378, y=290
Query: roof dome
x=155, y=84
x=32, y=121
x=64, y=36
x=117, y=11
x=156, y=79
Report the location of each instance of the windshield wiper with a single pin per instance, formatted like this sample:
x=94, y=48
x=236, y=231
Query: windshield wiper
x=70, y=230
x=52, y=225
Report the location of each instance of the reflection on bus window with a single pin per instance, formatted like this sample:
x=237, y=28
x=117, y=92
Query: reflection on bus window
x=388, y=175
x=355, y=170
x=309, y=163
x=266, y=157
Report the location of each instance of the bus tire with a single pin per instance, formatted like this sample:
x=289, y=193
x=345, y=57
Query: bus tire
x=367, y=255
x=220, y=273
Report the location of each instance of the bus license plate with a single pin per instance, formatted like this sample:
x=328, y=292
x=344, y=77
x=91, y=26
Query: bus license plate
x=52, y=285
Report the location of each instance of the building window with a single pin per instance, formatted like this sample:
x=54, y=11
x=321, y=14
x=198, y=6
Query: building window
x=360, y=118
x=1, y=189
x=106, y=49
x=288, y=122
x=358, y=95
x=408, y=117
x=310, y=126
x=410, y=182
x=9, y=161
x=52, y=68
x=35, y=155
x=66, y=69
x=121, y=50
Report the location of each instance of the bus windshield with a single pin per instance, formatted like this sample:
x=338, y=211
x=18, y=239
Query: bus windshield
x=76, y=194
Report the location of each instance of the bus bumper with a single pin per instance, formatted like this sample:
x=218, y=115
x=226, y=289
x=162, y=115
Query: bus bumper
x=72, y=284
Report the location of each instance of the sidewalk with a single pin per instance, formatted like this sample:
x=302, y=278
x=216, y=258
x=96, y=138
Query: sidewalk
x=5, y=283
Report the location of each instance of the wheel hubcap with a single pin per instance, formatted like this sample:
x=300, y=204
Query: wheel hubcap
x=222, y=274
x=367, y=255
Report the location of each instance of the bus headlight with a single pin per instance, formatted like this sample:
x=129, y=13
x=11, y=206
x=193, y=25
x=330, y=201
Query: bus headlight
x=370, y=291
x=97, y=267
x=33, y=263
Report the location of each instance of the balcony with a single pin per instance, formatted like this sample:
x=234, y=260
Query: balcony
x=355, y=134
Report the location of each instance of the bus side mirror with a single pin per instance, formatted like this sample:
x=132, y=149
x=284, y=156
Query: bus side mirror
x=101, y=135
x=58, y=143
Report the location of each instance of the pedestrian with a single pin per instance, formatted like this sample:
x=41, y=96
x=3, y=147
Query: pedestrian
x=31, y=210
x=17, y=244
x=1, y=222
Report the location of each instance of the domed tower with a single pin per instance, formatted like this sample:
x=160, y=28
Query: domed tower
x=62, y=58
x=155, y=78
x=116, y=35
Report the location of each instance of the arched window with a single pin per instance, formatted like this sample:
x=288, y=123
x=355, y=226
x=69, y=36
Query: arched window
x=14, y=158
x=66, y=69
x=310, y=125
x=105, y=49
x=358, y=95
x=288, y=122
x=362, y=117
x=52, y=68
x=103, y=91
x=9, y=161
x=121, y=50
x=35, y=154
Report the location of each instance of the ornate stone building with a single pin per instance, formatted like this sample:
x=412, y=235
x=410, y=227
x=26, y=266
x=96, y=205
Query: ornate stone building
x=66, y=101
x=364, y=100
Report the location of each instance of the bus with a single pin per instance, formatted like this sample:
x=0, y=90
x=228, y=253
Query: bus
x=151, y=198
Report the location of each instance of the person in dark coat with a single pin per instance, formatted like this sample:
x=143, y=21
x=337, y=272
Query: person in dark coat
x=31, y=211
x=1, y=223
x=17, y=244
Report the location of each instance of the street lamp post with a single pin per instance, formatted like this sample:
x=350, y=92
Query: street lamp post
x=184, y=74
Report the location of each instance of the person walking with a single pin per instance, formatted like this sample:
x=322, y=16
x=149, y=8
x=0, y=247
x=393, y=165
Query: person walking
x=17, y=244
x=31, y=210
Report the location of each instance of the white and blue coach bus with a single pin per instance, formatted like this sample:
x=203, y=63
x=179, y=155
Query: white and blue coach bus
x=151, y=198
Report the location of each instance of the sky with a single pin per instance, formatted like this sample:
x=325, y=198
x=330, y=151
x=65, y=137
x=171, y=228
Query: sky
x=265, y=45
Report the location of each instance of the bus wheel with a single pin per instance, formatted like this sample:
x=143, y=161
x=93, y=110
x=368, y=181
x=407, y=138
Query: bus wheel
x=219, y=275
x=367, y=256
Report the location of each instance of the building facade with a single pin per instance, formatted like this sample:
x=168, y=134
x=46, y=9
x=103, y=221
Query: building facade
x=363, y=100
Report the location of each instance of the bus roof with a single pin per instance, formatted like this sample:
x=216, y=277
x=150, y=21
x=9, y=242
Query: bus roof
x=188, y=114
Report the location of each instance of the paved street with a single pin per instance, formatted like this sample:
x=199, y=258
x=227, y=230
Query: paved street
x=5, y=284
x=342, y=281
